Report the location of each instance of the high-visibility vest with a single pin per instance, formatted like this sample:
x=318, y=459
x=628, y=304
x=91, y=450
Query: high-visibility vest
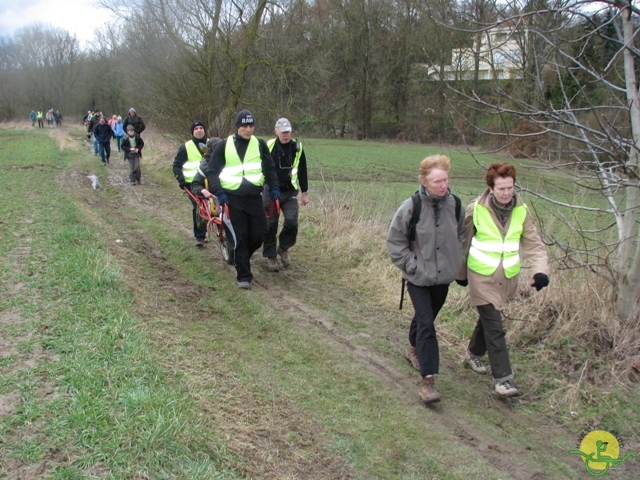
x=39, y=114
x=296, y=161
x=194, y=157
x=489, y=248
x=235, y=169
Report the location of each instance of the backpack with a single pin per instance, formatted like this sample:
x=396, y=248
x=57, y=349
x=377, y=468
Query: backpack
x=415, y=216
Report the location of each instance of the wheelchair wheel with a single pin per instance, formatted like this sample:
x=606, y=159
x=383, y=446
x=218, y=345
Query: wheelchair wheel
x=226, y=247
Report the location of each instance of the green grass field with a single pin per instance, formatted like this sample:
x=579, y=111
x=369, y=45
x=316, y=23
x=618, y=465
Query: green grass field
x=128, y=353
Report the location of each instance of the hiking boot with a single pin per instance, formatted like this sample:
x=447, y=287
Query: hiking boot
x=506, y=389
x=199, y=240
x=412, y=357
x=428, y=392
x=272, y=265
x=475, y=364
x=284, y=256
x=244, y=285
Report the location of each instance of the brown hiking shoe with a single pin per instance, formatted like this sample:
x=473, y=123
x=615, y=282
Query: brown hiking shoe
x=412, y=357
x=284, y=256
x=272, y=265
x=428, y=392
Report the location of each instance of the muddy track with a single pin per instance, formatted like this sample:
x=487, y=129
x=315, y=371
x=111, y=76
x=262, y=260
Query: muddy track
x=447, y=418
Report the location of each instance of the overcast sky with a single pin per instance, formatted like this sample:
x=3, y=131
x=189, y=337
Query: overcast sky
x=78, y=17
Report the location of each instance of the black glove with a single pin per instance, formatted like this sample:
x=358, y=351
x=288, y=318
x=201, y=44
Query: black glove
x=222, y=198
x=462, y=283
x=540, y=280
x=274, y=193
x=181, y=184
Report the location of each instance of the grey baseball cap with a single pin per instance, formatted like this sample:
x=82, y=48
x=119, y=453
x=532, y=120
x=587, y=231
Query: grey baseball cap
x=283, y=125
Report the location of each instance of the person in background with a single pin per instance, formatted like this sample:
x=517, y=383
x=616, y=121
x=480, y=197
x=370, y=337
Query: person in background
x=429, y=263
x=118, y=131
x=102, y=133
x=94, y=119
x=132, y=146
x=112, y=121
x=40, y=117
x=238, y=169
x=57, y=116
x=185, y=166
x=32, y=117
x=291, y=167
x=135, y=120
x=498, y=228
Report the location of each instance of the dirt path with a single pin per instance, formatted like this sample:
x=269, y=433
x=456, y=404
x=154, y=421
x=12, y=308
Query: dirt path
x=258, y=438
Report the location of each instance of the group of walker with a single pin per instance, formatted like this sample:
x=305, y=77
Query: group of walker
x=247, y=175
x=432, y=239
x=479, y=248
x=127, y=134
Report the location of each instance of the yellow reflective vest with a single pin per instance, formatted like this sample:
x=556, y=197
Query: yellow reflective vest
x=488, y=247
x=235, y=169
x=296, y=161
x=194, y=157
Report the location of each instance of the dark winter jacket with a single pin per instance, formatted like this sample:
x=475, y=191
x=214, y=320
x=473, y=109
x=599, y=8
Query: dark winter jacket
x=102, y=132
x=198, y=182
x=217, y=163
x=283, y=157
x=126, y=145
x=181, y=158
x=136, y=121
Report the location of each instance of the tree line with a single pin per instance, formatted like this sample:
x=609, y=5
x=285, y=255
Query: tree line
x=410, y=70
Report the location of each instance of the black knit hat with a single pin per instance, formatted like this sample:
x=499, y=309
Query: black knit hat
x=197, y=123
x=244, y=118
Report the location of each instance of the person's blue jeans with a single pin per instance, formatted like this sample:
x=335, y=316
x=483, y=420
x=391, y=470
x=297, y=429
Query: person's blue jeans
x=95, y=145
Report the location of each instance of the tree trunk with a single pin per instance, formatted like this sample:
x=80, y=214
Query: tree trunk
x=629, y=251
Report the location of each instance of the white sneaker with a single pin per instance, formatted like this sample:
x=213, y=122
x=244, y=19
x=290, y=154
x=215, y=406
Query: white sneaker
x=506, y=389
x=475, y=364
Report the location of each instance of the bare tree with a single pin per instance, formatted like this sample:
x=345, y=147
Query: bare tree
x=586, y=107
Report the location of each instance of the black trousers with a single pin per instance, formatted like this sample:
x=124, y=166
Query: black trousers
x=289, y=209
x=489, y=337
x=427, y=302
x=250, y=226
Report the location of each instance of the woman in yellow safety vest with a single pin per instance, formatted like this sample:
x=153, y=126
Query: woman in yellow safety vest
x=498, y=230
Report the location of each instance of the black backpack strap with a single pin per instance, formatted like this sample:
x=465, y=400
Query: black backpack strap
x=415, y=216
x=458, y=207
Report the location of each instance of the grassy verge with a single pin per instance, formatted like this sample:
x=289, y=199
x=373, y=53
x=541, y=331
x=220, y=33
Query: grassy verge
x=85, y=378
x=135, y=356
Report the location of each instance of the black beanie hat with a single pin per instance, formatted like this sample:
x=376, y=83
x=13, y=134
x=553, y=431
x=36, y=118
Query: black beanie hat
x=197, y=123
x=245, y=117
